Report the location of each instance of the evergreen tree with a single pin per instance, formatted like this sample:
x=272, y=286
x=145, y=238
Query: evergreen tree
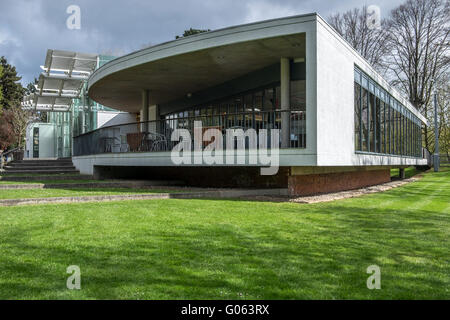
x=31, y=87
x=191, y=32
x=11, y=90
x=1, y=87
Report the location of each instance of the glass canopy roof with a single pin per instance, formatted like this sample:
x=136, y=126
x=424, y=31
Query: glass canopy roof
x=64, y=74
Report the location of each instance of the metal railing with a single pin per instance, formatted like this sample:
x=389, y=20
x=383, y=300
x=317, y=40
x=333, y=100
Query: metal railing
x=154, y=136
x=15, y=154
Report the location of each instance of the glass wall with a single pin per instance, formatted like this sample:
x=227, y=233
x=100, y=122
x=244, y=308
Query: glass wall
x=63, y=137
x=258, y=108
x=261, y=99
x=382, y=124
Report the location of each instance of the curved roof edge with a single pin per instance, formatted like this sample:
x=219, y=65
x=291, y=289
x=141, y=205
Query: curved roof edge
x=210, y=39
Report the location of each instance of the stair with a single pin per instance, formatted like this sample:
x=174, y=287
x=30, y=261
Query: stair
x=58, y=166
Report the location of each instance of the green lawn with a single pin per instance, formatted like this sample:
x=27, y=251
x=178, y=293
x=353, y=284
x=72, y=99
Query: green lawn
x=409, y=172
x=73, y=192
x=225, y=249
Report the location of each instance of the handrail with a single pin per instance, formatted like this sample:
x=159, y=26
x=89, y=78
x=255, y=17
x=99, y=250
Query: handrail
x=131, y=137
x=10, y=151
x=191, y=117
x=4, y=154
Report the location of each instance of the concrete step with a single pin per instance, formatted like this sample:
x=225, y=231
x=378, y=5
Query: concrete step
x=40, y=163
x=46, y=177
x=91, y=185
x=20, y=168
x=40, y=171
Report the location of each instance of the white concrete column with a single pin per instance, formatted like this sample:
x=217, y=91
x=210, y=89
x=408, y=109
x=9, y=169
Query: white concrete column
x=144, y=109
x=285, y=82
x=153, y=114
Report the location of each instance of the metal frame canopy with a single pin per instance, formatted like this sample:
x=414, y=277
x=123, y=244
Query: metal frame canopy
x=70, y=62
x=64, y=74
x=46, y=103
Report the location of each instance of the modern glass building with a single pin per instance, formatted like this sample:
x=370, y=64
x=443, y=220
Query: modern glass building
x=61, y=93
x=293, y=82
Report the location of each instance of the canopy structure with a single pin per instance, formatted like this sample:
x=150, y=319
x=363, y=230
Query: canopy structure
x=47, y=103
x=69, y=62
x=64, y=74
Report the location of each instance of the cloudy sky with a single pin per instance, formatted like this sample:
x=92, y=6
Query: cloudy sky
x=29, y=27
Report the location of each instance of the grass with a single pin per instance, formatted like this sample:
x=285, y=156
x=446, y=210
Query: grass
x=226, y=249
x=409, y=172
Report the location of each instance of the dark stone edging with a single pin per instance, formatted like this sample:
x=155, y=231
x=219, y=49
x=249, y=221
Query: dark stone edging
x=132, y=185
x=150, y=196
x=46, y=177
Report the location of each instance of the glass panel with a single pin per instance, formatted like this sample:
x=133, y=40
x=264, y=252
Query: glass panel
x=357, y=116
x=297, y=92
x=258, y=100
x=377, y=125
x=248, y=103
x=383, y=127
x=278, y=98
x=395, y=133
x=269, y=102
x=371, y=122
x=365, y=81
x=364, y=121
x=357, y=76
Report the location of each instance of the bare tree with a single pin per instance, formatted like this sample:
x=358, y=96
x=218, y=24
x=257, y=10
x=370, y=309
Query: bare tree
x=17, y=120
x=367, y=40
x=418, y=35
x=443, y=94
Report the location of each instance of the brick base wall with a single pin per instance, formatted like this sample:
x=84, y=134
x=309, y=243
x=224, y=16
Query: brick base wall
x=304, y=185
x=237, y=177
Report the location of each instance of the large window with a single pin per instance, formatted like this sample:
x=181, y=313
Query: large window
x=382, y=124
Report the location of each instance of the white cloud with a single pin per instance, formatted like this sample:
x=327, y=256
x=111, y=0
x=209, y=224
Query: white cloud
x=29, y=27
x=7, y=39
x=262, y=10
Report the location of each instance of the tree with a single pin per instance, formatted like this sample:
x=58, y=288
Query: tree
x=369, y=41
x=443, y=94
x=12, y=91
x=40, y=116
x=30, y=88
x=14, y=123
x=1, y=87
x=417, y=35
x=6, y=131
x=191, y=32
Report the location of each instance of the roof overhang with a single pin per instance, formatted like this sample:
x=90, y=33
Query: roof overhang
x=173, y=69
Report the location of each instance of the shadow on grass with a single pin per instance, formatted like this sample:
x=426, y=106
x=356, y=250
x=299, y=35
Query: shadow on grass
x=322, y=253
